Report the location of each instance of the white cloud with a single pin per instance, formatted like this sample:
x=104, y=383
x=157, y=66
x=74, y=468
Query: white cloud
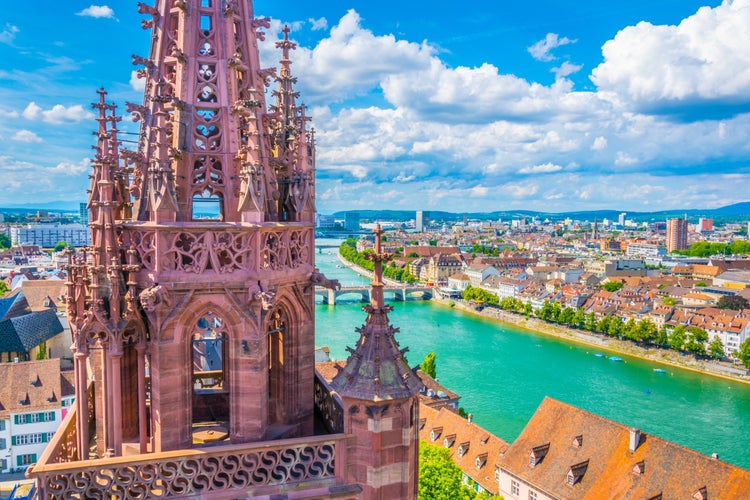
x=26, y=136
x=137, y=84
x=402, y=177
x=58, y=114
x=566, y=69
x=68, y=168
x=98, y=12
x=8, y=34
x=599, y=143
x=542, y=49
x=702, y=59
x=545, y=168
x=9, y=114
x=318, y=24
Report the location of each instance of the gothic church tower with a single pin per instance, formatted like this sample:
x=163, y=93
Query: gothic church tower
x=193, y=311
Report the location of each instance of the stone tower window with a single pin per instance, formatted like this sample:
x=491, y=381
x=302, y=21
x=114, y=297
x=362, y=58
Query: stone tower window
x=209, y=339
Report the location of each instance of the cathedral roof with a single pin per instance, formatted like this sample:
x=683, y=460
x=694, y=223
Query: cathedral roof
x=377, y=369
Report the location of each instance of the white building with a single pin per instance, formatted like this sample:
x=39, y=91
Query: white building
x=34, y=398
x=48, y=235
x=645, y=250
x=480, y=272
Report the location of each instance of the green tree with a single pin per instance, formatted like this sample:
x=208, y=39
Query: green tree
x=590, y=322
x=545, y=311
x=61, y=245
x=716, y=348
x=615, y=327
x=5, y=241
x=578, y=318
x=696, y=340
x=734, y=302
x=439, y=476
x=612, y=286
x=566, y=316
x=630, y=329
x=42, y=352
x=3, y=288
x=669, y=301
x=661, y=337
x=677, y=338
x=428, y=365
x=744, y=352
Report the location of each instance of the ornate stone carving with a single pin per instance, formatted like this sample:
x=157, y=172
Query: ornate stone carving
x=319, y=279
x=153, y=297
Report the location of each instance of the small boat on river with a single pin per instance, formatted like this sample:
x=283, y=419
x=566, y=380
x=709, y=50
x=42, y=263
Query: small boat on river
x=660, y=370
x=615, y=358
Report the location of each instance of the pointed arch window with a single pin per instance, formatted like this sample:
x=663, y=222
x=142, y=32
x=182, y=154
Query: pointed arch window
x=209, y=354
x=208, y=205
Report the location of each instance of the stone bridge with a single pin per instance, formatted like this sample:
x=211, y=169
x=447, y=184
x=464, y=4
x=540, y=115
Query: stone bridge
x=396, y=292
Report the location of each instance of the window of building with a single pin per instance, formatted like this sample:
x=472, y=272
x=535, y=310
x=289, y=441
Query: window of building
x=3, y=444
x=27, y=459
x=2, y=425
x=33, y=418
x=3, y=464
x=515, y=488
x=532, y=495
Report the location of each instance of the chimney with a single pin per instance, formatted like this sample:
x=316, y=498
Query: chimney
x=635, y=438
x=470, y=418
x=715, y=456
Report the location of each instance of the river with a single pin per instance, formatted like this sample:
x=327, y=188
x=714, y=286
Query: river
x=502, y=374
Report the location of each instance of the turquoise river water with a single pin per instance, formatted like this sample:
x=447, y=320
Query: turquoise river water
x=502, y=374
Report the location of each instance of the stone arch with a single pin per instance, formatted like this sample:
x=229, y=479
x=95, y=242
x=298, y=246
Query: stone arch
x=208, y=333
x=282, y=327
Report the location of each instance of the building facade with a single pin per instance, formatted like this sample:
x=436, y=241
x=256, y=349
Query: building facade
x=677, y=233
x=48, y=235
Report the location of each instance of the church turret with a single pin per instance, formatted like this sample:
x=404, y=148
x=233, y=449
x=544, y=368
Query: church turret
x=381, y=408
x=194, y=305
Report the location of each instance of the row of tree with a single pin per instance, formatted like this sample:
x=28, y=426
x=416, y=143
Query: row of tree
x=348, y=250
x=691, y=339
x=709, y=248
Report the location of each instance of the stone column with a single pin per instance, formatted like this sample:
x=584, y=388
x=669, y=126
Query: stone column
x=142, y=428
x=115, y=401
x=82, y=405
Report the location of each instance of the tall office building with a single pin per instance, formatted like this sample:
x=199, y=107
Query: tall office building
x=351, y=221
x=621, y=219
x=423, y=221
x=677, y=232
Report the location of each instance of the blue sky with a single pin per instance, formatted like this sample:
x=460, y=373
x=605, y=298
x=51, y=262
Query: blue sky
x=475, y=106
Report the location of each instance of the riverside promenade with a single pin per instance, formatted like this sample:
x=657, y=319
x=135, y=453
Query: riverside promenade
x=667, y=357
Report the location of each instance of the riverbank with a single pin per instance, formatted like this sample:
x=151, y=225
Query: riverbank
x=615, y=346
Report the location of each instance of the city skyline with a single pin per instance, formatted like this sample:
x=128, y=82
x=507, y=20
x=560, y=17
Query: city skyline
x=499, y=108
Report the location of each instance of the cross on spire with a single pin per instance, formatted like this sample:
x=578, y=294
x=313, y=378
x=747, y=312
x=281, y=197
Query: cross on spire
x=378, y=257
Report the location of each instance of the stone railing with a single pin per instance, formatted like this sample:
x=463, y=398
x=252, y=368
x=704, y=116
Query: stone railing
x=220, y=248
x=272, y=467
x=328, y=406
x=63, y=447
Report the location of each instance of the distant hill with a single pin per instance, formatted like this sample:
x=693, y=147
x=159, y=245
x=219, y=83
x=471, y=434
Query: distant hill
x=737, y=210
x=52, y=206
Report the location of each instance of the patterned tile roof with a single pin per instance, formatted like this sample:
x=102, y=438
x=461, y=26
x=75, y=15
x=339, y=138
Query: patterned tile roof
x=612, y=470
x=30, y=386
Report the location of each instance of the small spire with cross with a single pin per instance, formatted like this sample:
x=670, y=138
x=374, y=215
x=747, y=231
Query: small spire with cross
x=378, y=257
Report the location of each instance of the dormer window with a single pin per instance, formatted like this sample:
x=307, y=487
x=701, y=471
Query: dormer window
x=655, y=497
x=481, y=460
x=449, y=440
x=578, y=441
x=701, y=494
x=537, y=454
x=463, y=448
x=576, y=472
x=640, y=467
x=435, y=433
x=484, y=439
x=422, y=421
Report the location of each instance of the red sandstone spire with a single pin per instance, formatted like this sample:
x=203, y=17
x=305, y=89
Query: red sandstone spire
x=376, y=369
